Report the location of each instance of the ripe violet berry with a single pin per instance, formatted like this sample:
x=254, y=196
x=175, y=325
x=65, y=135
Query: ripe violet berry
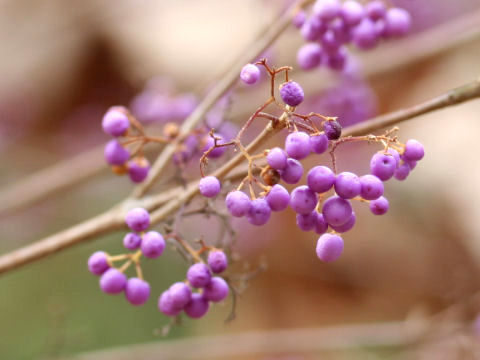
x=199, y=275
x=320, y=179
x=379, y=206
x=138, y=169
x=309, y=56
x=277, y=158
x=333, y=129
x=278, y=198
x=209, y=186
x=347, y=185
x=376, y=9
x=307, y=222
x=303, y=200
x=293, y=172
x=180, y=295
x=137, y=291
x=216, y=290
x=138, y=219
x=115, y=153
x=132, y=241
x=113, y=281
x=347, y=226
x=197, y=307
x=250, y=74
x=352, y=12
x=402, y=172
x=238, y=203
x=336, y=211
x=259, y=213
x=326, y=10
x=297, y=145
x=321, y=225
x=166, y=305
x=209, y=142
x=319, y=143
x=398, y=22
x=115, y=121
x=217, y=260
x=414, y=151
x=372, y=187
x=383, y=166
x=292, y=93
x=152, y=245
x=329, y=247
x=97, y=263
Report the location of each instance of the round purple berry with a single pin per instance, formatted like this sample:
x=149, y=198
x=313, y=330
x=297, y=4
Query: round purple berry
x=113, y=281
x=397, y=22
x=376, y=9
x=166, y=306
x=329, y=247
x=138, y=169
x=297, y=145
x=319, y=143
x=250, y=74
x=337, y=211
x=152, y=245
x=115, y=153
x=209, y=186
x=313, y=29
x=303, y=200
x=307, y=222
x=137, y=291
x=383, y=165
x=115, y=121
x=138, y=219
x=299, y=19
x=277, y=158
x=320, y=179
x=309, y=56
x=209, y=142
x=293, y=172
x=347, y=226
x=330, y=43
x=180, y=295
x=197, y=307
x=199, y=275
x=352, y=12
x=321, y=225
x=401, y=173
x=217, y=290
x=379, y=206
x=98, y=263
x=278, y=198
x=372, y=187
x=347, y=185
x=333, y=129
x=326, y=10
x=217, y=260
x=132, y=241
x=292, y=93
x=414, y=151
x=259, y=213
x=365, y=35
x=238, y=203
x=337, y=60
x=396, y=155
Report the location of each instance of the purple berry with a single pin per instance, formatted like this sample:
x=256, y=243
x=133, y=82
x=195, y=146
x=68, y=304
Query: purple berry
x=313, y=29
x=259, y=213
x=197, y=307
x=293, y=172
x=297, y=145
x=238, y=203
x=337, y=60
x=98, y=263
x=379, y=206
x=292, y=93
x=299, y=19
x=365, y=35
x=278, y=198
x=319, y=143
x=336, y=211
x=329, y=247
x=401, y=173
x=250, y=74
x=209, y=186
x=341, y=30
x=138, y=219
x=277, y=158
x=132, y=241
x=321, y=225
x=217, y=260
x=326, y=10
x=137, y=291
x=303, y=200
x=113, y=281
x=396, y=155
x=333, y=129
x=347, y=185
x=372, y=187
x=329, y=42
x=115, y=121
x=376, y=9
x=383, y=166
x=397, y=22
x=309, y=56
x=320, y=179
x=115, y=153
x=307, y=222
x=414, y=151
x=180, y=295
x=138, y=170
x=217, y=290
x=347, y=226
x=166, y=306
x=152, y=245
x=352, y=12
x=199, y=275
x=209, y=142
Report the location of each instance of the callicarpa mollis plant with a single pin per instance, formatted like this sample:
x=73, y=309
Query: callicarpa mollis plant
x=323, y=205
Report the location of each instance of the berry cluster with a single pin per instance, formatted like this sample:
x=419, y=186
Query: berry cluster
x=151, y=244
x=332, y=25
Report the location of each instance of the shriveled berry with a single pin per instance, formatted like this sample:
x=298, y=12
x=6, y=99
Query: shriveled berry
x=333, y=129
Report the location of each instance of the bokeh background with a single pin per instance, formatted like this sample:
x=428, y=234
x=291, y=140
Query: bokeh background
x=64, y=63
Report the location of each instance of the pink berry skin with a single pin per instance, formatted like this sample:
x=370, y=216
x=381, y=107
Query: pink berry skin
x=97, y=263
x=209, y=186
x=352, y=12
x=326, y=10
x=238, y=203
x=197, y=307
x=113, y=281
x=329, y=247
x=250, y=74
x=379, y=206
x=137, y=291
x=138, y=219
x=153, y=244
x=199, y=275
x=292, y=93
x=217, y=290
x=115, y=121
x=115, y=153
x=166, y=305
x=217, y=260
x=397, y=22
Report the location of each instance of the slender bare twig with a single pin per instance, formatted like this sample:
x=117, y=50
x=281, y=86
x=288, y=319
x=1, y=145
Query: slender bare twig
x=109, y=221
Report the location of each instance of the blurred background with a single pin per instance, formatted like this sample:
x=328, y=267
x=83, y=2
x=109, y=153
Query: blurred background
x=407, y=284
